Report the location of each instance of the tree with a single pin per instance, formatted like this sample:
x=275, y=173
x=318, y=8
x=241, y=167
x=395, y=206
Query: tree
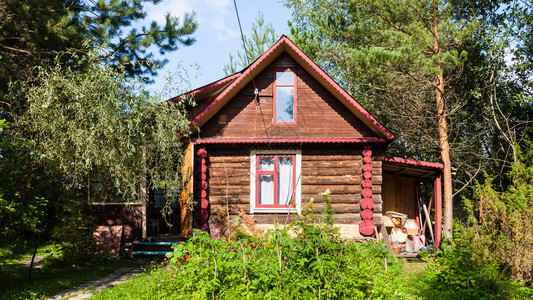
x=65, y=39
x=96, y=120
x=403, y=55
x=263, y=37
x=32, y=32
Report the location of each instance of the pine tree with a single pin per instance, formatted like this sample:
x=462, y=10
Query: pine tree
x=263, y=36
x=402, y=54
x=35, y=33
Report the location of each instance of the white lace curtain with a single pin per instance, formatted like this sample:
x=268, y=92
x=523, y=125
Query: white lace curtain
x=285, y=180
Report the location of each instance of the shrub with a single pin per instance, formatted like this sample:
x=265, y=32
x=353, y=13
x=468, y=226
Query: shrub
x=309, y=260
x=317, y=263
x=502, y=231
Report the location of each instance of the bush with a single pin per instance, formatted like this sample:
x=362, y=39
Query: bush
x=502, y=231
x=315, y=264
x=309, y=260
x=72, y=241
x=455, y=273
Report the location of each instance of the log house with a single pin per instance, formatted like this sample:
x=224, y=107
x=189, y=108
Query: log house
x=273, y=136
x=270, y=138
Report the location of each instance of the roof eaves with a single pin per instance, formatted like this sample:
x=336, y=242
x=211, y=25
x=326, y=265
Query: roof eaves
x=287, y=140
x=410, y=162
x=208, y=86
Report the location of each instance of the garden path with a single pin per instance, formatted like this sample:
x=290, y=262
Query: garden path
x=86, y=290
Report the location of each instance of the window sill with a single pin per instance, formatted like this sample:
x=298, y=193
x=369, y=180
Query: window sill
x=272, y=210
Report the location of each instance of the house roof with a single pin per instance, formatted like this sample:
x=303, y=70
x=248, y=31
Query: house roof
x=222, y=91
x=410, y=168
x=210, y=89
x=288, y=141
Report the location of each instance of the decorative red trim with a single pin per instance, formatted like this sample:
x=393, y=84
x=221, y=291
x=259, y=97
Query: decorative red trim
x=413, y=162
x=288, y=44
x=207, y=86
x=202, y=203
x=367, y=203
x=366, y=227
x=286, y=141
x=295, y=97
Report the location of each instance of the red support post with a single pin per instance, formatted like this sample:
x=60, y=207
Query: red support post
x=437, y=192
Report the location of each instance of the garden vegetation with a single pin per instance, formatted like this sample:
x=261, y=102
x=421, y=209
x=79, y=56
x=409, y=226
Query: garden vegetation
x=309, y=260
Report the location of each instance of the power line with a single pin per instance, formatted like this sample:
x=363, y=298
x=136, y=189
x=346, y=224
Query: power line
x=256, y=92
x=242, y=34
x=244, y=46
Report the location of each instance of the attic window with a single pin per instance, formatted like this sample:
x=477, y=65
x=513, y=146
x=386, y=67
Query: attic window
x=284, y=96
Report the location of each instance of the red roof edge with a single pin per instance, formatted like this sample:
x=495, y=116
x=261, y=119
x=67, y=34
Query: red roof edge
x=413, y=162
x=285, y=141
x=208, y=86
x=245, y=73
x=337, y=87
x=284, y=40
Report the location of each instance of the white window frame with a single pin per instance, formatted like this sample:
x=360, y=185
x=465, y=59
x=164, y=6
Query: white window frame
x=298, y=185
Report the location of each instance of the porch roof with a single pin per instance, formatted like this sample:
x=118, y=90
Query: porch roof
x=411, y=168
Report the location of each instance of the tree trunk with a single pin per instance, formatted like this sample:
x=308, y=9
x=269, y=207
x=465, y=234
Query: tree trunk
x=33, y=257
x=443, y=134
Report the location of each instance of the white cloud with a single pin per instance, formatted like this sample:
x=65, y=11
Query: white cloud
x=212, y=15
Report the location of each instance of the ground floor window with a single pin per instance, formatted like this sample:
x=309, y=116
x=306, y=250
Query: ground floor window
x=274, y=181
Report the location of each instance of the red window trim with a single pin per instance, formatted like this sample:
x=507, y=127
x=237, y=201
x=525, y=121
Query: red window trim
x=276, y=174
x=295, y=94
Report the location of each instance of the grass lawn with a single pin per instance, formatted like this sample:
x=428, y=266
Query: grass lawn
x=14, y=281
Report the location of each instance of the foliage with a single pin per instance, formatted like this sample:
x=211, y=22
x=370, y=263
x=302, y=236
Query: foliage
x=452, y=274
x=457, y=273
x=499, y=228
x=308, y=260
x=262, y=37
x=17, y=216
x=95, y=122
x=71, y=239
x=315, y=264
x=79, y=26
x=398, y=57
x=69, y=41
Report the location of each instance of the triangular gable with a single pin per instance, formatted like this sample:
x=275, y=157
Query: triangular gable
x=284, y=44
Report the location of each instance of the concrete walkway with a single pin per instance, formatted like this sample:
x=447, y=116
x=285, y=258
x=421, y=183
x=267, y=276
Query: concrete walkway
x=86, y=290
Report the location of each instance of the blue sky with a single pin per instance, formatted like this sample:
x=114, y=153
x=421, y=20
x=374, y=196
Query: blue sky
x=217, y=36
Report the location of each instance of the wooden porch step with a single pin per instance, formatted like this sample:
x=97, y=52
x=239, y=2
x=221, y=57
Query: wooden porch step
x=155, y=253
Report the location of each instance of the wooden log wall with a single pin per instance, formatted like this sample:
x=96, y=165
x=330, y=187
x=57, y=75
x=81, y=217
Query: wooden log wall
x=229, y=184
x=229, y=181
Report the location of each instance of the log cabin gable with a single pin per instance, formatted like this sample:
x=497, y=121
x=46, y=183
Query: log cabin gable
x=321, y=108
x=315, y=112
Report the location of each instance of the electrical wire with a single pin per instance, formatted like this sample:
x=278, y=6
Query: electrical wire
x=244, y=47
x=256, y=92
